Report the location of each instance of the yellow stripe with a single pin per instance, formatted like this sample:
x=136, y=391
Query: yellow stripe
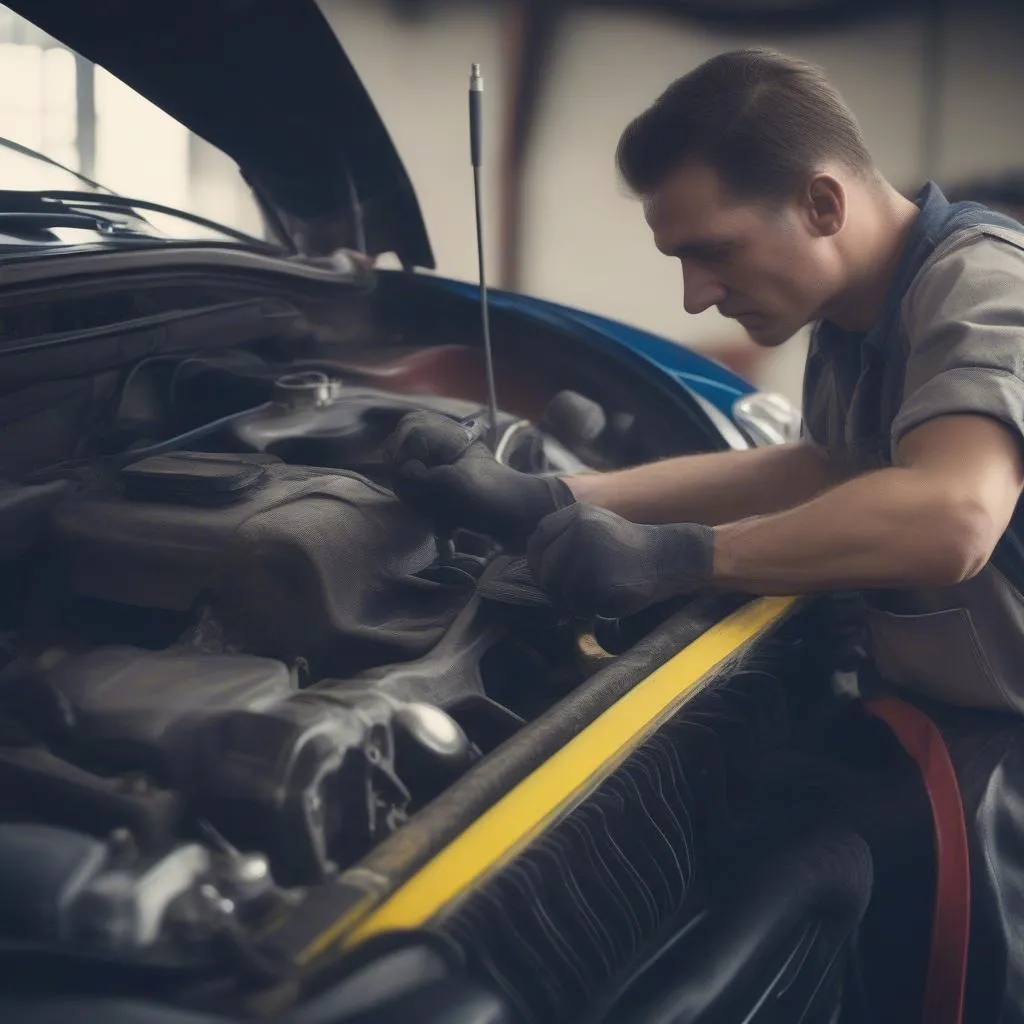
x=513, y=821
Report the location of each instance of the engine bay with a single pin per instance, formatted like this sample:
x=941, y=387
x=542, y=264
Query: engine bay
x=233, y=662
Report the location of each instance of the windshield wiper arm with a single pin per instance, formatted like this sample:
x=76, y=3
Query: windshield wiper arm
x=72, y=200
x=69, y=218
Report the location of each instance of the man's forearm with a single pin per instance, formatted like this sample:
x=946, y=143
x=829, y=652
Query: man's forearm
x=890, y=528
x=713, y=488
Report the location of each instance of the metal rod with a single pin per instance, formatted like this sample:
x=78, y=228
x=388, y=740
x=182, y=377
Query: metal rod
x=476, y=89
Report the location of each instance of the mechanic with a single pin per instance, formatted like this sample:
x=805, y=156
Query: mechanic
x=755, y=175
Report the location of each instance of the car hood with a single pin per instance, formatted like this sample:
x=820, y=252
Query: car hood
x=268, y=83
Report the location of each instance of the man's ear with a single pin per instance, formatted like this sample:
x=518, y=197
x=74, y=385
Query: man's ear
x=824, y=205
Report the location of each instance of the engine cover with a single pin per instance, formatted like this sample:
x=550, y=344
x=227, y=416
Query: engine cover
x=294, y=562
x=125, y=709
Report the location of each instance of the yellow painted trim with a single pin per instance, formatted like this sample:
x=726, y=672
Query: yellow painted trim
x=509, y=825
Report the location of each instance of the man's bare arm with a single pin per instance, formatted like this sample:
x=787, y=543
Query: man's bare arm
x=713, y=488
x=932, y=520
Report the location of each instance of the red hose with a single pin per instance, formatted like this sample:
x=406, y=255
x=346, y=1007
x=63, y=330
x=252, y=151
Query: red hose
x=951, y=920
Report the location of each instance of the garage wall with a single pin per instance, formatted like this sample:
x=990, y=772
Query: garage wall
x=585, y=243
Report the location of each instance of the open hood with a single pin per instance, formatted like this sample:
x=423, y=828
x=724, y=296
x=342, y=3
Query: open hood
x=268, y=83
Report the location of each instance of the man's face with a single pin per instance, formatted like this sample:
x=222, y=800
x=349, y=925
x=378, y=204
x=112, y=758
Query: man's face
x=764, y=267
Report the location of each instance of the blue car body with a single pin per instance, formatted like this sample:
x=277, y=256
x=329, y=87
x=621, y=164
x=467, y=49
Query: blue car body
x=685, y=368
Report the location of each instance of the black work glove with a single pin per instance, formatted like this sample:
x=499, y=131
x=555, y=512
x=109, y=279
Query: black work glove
x=441, y=471
x=593, y=562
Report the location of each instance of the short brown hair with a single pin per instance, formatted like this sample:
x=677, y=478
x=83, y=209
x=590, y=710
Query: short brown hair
x=761, y=120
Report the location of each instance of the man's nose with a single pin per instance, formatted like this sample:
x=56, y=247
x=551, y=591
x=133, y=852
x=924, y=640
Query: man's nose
x=701, y=289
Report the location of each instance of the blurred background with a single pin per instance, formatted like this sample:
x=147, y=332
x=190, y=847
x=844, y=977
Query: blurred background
x=938, y=86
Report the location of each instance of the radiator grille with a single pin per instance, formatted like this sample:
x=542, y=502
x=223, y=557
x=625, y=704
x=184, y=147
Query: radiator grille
x=575, y=910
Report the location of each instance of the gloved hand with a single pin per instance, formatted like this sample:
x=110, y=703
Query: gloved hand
x=593, y=562
x=441, y=471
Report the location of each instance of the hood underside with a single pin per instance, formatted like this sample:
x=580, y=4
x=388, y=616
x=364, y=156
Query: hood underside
x=266, y=82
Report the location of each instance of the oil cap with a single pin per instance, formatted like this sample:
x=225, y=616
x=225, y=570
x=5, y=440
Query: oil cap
x=309, y=389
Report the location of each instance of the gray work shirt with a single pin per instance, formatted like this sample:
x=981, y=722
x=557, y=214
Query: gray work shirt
x=951, y=341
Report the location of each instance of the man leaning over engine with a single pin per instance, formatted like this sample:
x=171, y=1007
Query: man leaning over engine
x=754, y=174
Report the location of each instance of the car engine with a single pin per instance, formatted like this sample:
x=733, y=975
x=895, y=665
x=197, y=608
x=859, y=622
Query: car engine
x=234, y=661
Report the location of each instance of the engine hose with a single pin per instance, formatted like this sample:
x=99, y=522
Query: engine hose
x=173, y=443
x=50, y=473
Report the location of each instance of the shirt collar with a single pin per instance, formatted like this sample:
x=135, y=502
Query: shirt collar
x=921, y=240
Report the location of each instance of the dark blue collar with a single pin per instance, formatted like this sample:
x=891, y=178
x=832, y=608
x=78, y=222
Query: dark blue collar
x=924, y=235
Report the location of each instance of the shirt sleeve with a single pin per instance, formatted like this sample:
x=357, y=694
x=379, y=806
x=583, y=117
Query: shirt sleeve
x=964, y=318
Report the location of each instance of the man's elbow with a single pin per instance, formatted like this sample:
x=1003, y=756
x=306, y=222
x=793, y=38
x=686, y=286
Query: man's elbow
x=967, y=537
